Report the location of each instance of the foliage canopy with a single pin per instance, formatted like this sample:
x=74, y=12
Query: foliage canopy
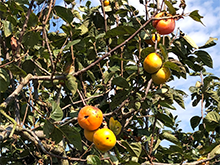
x=49, y=71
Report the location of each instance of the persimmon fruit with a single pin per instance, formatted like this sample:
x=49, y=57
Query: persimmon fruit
x=104, y=139
x=153, y=39
x=164, y=26
x=90, y=118
x=89, y=134
x=106, y=2
x=152, y=63
x=161, y=76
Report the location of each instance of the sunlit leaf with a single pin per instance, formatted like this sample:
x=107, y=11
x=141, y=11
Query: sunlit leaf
x=212, y=120
x=209, y=43
x=133, y=148
x=7, y=27
x=71, y=83
x=115, y=126
x=190, y=41
x=215, y=151
x=171, y=9
x=93, y=159
x=172, y=66
x=170, y=137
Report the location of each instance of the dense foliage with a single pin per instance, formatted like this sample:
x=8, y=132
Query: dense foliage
x=57, y=58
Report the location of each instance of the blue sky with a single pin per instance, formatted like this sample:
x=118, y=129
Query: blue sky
x=210, y=10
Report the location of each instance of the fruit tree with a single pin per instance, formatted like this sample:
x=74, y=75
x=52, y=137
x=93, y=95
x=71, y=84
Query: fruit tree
x=75, y=87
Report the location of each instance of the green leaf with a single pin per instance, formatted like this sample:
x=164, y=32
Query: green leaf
x=72, y=135
x=91, y=75
x=93, y=159
x=171, y=9
x=170, y=137
x=134, y=148
x=205, y=58
x=194, y=121
x=207, y=80
x=108, y=76
x=159, y=124
x=48, y=128
x=167, y=105
x=192, y=89
x=68, y=1
x=121, y=82
x=209, y=43
x=215, y=151
x=28, y=40
x=172, y=66
x=120, y=31
x=3, y=8
x=195, y=16
x=118, y=98
x=28, y=66
x=16, y=70
x=84, y=29
x=165, y=119
x=163, y=51
x=157, y=144
x=7, y=28
x=214, y=95
x=146, y=51
x=56, y=113
x=33, y=20
x=74, y=42
x=190, y=41
x=211, y=120
x=4, y=80
x=56, y=135
x=112, y=157
x=71, y=84
x=115, y=126
x=64, y=13
x=179, y=99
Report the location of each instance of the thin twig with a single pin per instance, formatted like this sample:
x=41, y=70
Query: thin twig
x=115, y=48
x=103, y=11
x=80, y=95
x=24, y=27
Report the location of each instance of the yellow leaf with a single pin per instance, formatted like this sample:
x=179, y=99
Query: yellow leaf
x=115, y=126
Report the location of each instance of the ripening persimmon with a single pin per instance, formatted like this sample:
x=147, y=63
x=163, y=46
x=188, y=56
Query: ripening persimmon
x=153, y=39
x=152, y=63
x=106, y=2
x=161, y=76
x=104, y=139
x=89, y=134
x=164, y=26
x=90, y=118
